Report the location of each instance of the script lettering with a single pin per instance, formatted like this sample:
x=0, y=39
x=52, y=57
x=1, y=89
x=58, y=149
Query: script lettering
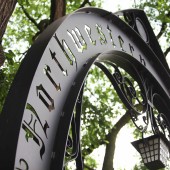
x=45, y=126
x=121, y=41
x=24, y=164
x=131, y=49
x=102, y=37
x=78, y=40
x=30, y=129
x=111, y=37
x=53, y=56
x=50, y=105
x=88, y=31
x=47, y=71
x=142, y=60
x=67, y=51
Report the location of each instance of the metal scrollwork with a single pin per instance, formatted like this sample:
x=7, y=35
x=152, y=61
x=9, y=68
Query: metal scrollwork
x=72, y=142
x=159, y=121
x=73, y=151
x=24, y=163
x=134, y=98
x=155, y=113
x=140, y=98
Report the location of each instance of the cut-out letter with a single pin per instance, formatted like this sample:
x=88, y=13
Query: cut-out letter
x=30, y=133
x=111, y=37
x=121, y=42
x=53, y=56
x=24, y=165
x=78, y=40
x=131, y=49
x=88, y=31
x=47, y=72
x=50, y=106
x=67, y=51
x=45, y=126
x=102, y=37
x=142, y=60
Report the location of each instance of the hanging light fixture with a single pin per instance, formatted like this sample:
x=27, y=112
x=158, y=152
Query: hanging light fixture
x=154, y=151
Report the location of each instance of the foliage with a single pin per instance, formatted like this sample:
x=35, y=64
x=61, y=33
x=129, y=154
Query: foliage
x=23, y=27
x=158, y=12
x=101, y=108
x=74, y=5
x=17, y=39
x=90, y=162
x=140, y=167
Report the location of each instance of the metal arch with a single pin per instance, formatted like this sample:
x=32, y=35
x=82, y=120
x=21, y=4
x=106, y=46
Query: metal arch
x=155, y=55
x=68, y=48
x=130, y=16
x=158, y=125
x=121, y=94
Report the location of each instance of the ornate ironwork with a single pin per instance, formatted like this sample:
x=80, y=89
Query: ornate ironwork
x=42, y=113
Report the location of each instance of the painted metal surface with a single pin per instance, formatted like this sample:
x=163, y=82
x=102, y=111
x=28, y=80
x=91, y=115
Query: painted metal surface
x=49, y=84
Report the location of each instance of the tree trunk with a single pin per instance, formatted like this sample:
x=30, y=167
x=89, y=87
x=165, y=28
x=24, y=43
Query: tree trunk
x=6, y=9
x=110, y=147
x=58, y=9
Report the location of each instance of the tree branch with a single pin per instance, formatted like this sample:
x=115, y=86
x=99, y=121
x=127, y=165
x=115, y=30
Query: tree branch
x=167, y=51
x=88, y=151
x=84, y=3
x=29, y=17
x=120, y=123
x=6, y=10
x=111, y=137
x=113, y=133
x=162, y=30
x=163, y=27
x=58, y=9
x=87, y=167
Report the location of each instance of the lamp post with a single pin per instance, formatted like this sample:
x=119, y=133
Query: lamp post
x=154, y=151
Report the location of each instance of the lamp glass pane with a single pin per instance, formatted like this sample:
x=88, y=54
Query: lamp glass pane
x=156, y=140
x=156, y=151
x=145, y=160
x=148, y=154
x=151, y=142
x=152, y=153
x=156, y=146
x=147, y=149
x=152, y=158
x=143, y=155
x=141, y=145
x=149, y=159
x=142, y=150
x=156, y=157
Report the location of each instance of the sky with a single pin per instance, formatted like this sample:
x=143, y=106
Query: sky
x=113, y=5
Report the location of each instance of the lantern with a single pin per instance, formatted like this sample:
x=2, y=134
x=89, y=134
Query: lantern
x=154, y=151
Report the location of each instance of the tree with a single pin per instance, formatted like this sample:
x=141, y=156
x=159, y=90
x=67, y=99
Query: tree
x=29, y=20
x=6, y=9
